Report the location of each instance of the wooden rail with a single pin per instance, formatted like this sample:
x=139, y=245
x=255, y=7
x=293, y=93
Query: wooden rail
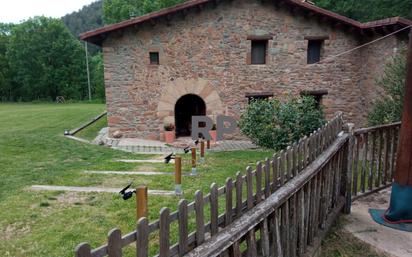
x=373, y=158
x=289, y=226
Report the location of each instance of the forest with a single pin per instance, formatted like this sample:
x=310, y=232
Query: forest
x=42, y=58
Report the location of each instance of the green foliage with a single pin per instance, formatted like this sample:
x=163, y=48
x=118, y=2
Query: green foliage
x=88, y=18
x=274, y=124
x=46, y=61
x=389, y=108
x=119, y=10
x=97, y=76
x=5, y=76
x=368, y=10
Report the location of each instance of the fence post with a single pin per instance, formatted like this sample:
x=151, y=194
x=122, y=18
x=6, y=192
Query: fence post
x=141, y=202
x=178, y=175
x=202, y=151
x=347, y=168
x=194, y=171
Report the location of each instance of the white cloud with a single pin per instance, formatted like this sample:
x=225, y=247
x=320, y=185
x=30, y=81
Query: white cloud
x=18, y=10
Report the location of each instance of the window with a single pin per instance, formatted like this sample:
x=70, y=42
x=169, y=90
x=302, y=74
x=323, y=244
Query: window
x=258, y=96
x=314, y=51
x=154, y=58
x=258, y=55
x=316, y=94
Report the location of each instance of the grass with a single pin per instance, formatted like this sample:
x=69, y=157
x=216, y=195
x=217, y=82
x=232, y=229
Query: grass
x=340, y=243
x=33, y=150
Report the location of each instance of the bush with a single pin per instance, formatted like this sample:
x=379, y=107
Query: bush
x=275, y=124
x=389, y=108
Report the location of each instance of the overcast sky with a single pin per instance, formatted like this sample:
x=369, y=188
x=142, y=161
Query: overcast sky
x=18, y=10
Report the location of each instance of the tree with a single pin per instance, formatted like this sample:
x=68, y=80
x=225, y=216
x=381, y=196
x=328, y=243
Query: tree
x=5, y=76
x=119, y=10
x=275, y=124
x=97, y=76
x=389, y=108
x=88, y=18
x=367, y=10
x=46, y=61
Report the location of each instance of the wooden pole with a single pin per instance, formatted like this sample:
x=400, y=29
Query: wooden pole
x=208, y=144
x=202, y=151
x=141, y=202
x=178, y=175
x=194, y=171
x=403, y=172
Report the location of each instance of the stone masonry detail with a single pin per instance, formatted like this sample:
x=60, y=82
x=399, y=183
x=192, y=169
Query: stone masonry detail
x=206, y=53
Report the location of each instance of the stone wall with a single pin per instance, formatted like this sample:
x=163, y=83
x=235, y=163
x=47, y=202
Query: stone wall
x=206, y=53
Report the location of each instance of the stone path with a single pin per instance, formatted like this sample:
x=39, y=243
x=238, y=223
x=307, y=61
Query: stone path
x=136, y=145
x=95, y=189
x=226, y=145
x=387, y=240
x=145, y=161
x=143, y=173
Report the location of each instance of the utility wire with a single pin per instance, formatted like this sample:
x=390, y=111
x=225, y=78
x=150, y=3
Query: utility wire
x=354, y=49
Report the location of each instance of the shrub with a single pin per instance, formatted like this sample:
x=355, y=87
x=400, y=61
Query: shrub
x=275, y=124
x=389, y=108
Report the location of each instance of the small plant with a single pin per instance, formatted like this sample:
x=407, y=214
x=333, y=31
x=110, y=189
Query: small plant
x=169, y=127
x=214, y=126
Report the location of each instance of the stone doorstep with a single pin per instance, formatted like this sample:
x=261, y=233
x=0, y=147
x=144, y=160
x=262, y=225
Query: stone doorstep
x=95, y=190
x=145, y=161
x=389, y=241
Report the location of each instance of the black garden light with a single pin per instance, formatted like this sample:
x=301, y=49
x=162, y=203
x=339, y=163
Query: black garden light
x=127, y=194
x=169, y=158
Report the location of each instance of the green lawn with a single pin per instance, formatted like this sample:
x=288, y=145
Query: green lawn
x=33, y=150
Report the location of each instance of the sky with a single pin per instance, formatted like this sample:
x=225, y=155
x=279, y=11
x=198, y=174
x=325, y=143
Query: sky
x=14, y=11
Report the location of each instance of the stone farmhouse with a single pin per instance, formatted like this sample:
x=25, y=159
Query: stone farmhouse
x=210, y=57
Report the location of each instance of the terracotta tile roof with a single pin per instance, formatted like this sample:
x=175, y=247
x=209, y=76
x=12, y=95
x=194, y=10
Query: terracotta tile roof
x=96, y=36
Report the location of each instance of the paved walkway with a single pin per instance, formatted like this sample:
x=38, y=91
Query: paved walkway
x=141, y=173
x=94, y=189
x=136, y=145
x=389, y=241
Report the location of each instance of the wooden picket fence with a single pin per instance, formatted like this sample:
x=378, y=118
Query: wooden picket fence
x=280, y=208
x=374, y=158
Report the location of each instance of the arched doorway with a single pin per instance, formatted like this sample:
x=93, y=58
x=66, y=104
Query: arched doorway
x=187, y=106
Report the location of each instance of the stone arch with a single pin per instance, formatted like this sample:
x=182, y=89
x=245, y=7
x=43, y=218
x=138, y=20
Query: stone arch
x=174, y=90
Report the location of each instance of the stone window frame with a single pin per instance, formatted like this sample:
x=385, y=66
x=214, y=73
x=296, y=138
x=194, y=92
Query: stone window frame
x=321, y=40
x=252, y=38
x=155, y=49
